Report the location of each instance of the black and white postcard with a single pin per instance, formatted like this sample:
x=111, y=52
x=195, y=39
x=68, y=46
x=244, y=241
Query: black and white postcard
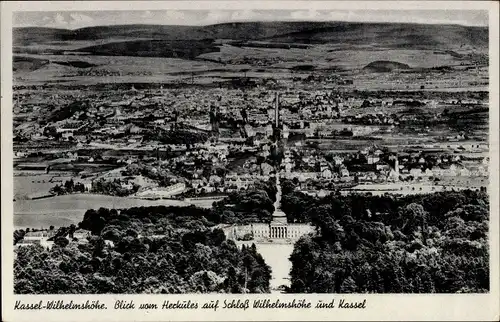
x=226, y=160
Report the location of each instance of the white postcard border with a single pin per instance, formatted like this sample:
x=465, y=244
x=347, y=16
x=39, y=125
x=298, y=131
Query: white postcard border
x=379, y=307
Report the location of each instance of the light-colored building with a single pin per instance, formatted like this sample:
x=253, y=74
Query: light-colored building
x=37, y=238
x=344, y=172
x=326, y=173
x=264, y=232
x=163, y=192
x=81, y=234
x=416, y=172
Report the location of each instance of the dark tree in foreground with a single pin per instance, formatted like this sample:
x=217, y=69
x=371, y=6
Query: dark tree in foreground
x=434, y=243
x=142, y=250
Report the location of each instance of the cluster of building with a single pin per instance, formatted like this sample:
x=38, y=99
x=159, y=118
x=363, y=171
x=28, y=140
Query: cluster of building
x=233, y=143
x=45, y=238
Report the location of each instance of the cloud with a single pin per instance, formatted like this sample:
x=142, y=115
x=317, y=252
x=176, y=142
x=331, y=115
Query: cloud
x=306, y=15
x=405, y=16
x=218, y=16
x=70, y=21
x=60, y=21
x=79, y=20
x=339, y=15
x=243, y=15
x=174, y=17
x=146, y=14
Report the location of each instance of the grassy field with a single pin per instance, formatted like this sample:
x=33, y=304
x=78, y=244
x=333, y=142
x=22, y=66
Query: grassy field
x=69, y=209
x=31, y=184
x=328, y=56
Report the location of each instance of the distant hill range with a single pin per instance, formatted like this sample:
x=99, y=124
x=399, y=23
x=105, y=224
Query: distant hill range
x=384, y=66
x=385, y=35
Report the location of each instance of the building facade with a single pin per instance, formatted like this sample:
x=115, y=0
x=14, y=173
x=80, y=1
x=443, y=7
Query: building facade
x=262, y=232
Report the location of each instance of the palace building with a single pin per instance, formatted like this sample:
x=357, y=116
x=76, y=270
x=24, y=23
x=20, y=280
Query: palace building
x=266, y=232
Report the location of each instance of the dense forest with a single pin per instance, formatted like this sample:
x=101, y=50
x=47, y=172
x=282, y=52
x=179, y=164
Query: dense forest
x=244, y=207
x=142, y=250
x=433, y=243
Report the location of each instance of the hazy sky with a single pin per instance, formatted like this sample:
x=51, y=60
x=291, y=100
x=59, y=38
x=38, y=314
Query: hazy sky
x=79, y=19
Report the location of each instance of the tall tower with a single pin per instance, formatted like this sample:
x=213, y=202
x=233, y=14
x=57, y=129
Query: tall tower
x=396, y=166
x=276, y=127
x=214, y=119
x=277, y=110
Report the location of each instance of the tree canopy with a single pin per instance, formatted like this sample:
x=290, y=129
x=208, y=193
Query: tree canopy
x=142, y=250
x=435, y=243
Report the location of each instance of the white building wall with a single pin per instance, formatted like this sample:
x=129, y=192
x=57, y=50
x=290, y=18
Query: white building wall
x=261, y=231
